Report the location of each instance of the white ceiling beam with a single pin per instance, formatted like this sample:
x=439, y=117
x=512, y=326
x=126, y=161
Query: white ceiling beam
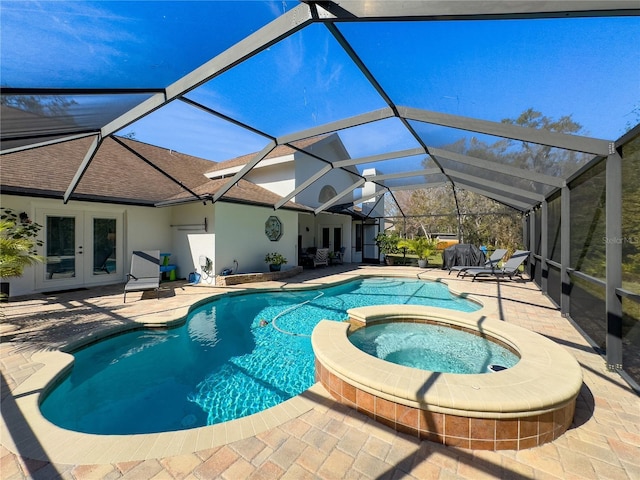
x=518, y=205
x=414, y=173
x=308, y=182
x=505, y=200
x=248, y=166
x=379, y=158
x=463, y=178
x=281, y=27
x=149, y=105
x=362, y=119
x=369, y=197
x=93, y=148
x=515, y=132
x=419, y=186
x=497, y=167
x=474, y=9
x=62, y=139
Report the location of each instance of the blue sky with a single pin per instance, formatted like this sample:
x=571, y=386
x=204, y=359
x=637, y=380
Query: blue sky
x=588, y=68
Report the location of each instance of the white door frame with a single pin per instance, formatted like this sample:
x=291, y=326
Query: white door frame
x=83, y=273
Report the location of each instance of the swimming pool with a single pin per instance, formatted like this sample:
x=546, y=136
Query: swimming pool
x=221, y=364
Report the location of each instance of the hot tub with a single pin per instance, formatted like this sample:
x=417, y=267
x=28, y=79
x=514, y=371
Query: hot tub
x=527, y=405
x=433, y=346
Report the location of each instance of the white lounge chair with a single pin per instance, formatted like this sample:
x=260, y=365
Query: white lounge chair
x=145, y=272
x=321, y=257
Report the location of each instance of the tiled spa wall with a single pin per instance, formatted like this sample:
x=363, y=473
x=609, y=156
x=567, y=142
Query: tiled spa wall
x=453, y=430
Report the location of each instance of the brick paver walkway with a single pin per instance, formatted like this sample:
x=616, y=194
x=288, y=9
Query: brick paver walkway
x=331, y=441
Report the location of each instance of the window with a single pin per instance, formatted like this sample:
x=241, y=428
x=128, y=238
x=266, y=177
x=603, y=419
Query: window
x=104, y=246
x=326, y=194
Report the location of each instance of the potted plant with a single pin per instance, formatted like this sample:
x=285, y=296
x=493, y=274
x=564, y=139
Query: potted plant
x=275, y=261
x=387, y=244
x=18, y=243
x=421, y=246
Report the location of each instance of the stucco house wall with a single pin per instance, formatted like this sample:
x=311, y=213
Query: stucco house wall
x=146, y=228
x=139, y=228
x=240, y=235
x=277, y=177
x=306, y=166
x=307, y=231
x=192, y=236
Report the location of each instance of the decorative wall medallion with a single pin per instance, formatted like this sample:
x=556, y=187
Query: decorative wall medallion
x=273, y=228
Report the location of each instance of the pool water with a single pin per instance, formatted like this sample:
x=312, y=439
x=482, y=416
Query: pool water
x=221, y=364
x=432, y=347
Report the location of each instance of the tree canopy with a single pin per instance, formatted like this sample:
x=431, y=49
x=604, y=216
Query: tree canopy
x=476, y=218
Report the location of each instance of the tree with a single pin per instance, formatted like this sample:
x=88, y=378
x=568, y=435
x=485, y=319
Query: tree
x=18, y=242
x=131, y=135
x=480, y=219
x=631, y=214
x=635, y=118
x=543, y=158
x=387, y=242
x=45, y=105
x=421, y=246
x=428, y=211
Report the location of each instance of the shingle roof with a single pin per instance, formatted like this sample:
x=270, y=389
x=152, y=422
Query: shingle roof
x=279, y=151
x=242, y=192
x=117, y=175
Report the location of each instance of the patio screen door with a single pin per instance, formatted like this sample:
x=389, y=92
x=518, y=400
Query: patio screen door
x=79, y=248
x=370, y=252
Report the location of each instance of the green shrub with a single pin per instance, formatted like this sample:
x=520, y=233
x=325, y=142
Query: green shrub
x=18, y=243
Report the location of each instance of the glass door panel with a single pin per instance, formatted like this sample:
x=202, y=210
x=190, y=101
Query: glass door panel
x=326, y=243
x=370, y=252
x=61, y=247
x=104, y=246
x=337, y=239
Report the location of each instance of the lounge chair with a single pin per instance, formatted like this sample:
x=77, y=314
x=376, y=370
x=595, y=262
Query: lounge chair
x=510, y=268
x=492, y=262
x=145, y=272
x=321, y=257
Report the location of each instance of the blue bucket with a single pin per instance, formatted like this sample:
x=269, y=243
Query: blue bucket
x=194, y=278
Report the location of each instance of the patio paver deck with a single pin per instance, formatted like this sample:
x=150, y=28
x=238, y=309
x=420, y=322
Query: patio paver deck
x=328, y=440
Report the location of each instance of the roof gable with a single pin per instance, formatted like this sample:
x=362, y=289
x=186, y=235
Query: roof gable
x=281, y=151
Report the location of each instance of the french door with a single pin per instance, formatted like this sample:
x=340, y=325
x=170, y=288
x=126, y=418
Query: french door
x=331, y=238
x=80, y=248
